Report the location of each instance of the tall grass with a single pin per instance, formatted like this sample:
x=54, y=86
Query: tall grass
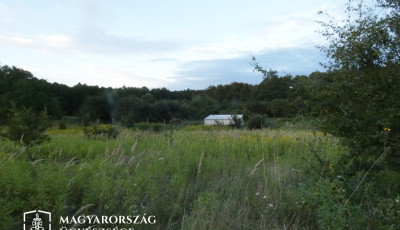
x=217, y=179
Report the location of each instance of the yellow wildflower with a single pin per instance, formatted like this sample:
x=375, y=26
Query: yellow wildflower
x=331, y=167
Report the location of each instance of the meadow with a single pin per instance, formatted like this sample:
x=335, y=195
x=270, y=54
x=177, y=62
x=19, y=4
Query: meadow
x=187, y=178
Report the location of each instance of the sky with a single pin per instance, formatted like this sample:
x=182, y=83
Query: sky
x=177, y=44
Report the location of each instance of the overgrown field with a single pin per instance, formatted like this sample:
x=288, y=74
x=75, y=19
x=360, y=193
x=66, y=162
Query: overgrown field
x=218, y=179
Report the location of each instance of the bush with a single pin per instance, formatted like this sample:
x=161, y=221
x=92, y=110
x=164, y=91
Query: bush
x=359, y=99
x=199, y=127
x=62, y=125
x=157, y=127
x=236, y=122
x=26, y=126
x=255, y=122
x=207, y=127
x=143, y=126
x=128, y=120
x=101, y=131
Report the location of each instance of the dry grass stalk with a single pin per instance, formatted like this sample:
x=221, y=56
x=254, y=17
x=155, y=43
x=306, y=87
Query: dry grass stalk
x=134, y=146
x=83, y=209
x=71, y=162
x=256, y=166
x=130, y=160
x=16, y=154
x=21, y=140
x=200, y=162
x=37, y=161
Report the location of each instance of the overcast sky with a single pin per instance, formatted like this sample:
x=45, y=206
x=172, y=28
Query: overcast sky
x=177, y=44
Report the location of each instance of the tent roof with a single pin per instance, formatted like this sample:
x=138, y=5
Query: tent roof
x=222, y=117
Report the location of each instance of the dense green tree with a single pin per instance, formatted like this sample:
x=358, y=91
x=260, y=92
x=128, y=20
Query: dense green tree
x=148, y=98
x=274, y=87
x=97, y=108
x=26, y=126
x=161, y=93
x=126, y=104
x=22, y=88
x=236, y=122
x=142, y=112
x=255, y=122
x=359, y=99
x=258, y=107
x=234, y=91
x=77, y=95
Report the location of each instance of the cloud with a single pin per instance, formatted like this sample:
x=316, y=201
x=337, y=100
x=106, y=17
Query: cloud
x=162, y=59
x=61, y=41
x=16, y=41
x=295, y=61
x=116, y=77
x=94, y=42
x=142, y=47
x=98, y=41
x=281, y=33
x=55, y=43
x=201, y=74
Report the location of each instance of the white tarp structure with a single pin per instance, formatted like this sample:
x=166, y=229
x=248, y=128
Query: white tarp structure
x=220, y=119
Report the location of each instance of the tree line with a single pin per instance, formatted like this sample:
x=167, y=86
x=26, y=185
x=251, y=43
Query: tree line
x=274, y=96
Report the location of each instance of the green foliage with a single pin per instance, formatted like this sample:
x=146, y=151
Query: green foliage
x=62, y=125
x=157, y=127
x=236, y=122
x=101, y=131
x=96, y=107
x=129, y=105
x=128, y=120
x=26, y=126
x=280, y=96
x=178, y=177
x=24, y=90
x=206, y=127
x=367, y=39
x=255, y=122
x=282, y=108
x=265, y=179
x=143, y=126
x=358, y=100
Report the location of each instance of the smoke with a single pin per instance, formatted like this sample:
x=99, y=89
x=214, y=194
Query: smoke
x=111, y=95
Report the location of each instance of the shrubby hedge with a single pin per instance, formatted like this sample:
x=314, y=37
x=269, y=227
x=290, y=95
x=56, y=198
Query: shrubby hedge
x=101, y=131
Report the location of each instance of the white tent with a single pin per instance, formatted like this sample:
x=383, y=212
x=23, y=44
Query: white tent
x=221, y=119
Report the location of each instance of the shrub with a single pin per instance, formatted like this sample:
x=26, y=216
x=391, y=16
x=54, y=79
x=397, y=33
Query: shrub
x=207, y=127
x=255, y=122
x=62, y=125
x=199, y=127
x=236, y=122
x=143, y=126
x=26, y=126
x=101, y=131
x=157, y=127
x=128, y=120
x=358, y=99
